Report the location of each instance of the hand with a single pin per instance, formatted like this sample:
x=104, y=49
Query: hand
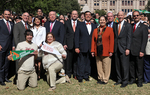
x=0, y=47
x=40, y=45
x=63, y=56
x=65, y=47
x=77, y=50
x=127, y=52
x=110, y=54
x=9, y=57
x=141, y=54
x=13, y=48
x=35, y=52
x=92, y=53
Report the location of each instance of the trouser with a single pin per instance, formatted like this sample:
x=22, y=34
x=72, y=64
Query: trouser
x=51, y=74
x=103, y=68
x=23, y=77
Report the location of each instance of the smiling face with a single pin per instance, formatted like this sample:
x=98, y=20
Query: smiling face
x=74, y=15
x=102, y=21
x=49, y=38
x=136, y=17
x=37, y=21
x=52, y=16
x=29, y=36
x=121, y=16
x=25, y=17
x=6, y=15
x=110, y=17
x=88, y=16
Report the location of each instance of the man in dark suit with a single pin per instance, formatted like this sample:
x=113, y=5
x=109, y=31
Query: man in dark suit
x=19, y=29
x=110, y=18
x=6, y=43
x=123, y=34
x=71, y=60
x=56, y=27
x=139, y=41
x=83, y=37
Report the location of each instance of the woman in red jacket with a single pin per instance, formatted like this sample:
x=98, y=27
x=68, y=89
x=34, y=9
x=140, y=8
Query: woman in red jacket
x=102, y=47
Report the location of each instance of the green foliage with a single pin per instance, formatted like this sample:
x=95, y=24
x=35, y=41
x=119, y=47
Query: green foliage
x=147, y=7
x=20, y=6
x=100, y=12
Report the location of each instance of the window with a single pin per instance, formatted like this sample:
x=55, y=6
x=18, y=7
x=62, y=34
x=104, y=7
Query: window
x=125, y=3
x=110, y=3
x=131, y=3
x=105, y=3
x=113, y=3
x=94, y=4
x=102, y=3
x=143, y=3
x=97, y=4
x=140, y=3
x=122, y=3
x=131, y=10
x=123, y=10
x=128, y=10
x=128, y=3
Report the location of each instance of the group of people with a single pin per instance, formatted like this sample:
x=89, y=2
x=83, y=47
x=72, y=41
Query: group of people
x=119, y=50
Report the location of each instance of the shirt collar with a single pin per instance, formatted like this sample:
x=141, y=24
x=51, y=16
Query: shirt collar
x=5, y=20
x=53, y=22
x=23, y=22
x=86, y=21
x=138, y=23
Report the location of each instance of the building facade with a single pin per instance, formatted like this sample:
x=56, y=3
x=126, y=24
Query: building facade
x=114, y=5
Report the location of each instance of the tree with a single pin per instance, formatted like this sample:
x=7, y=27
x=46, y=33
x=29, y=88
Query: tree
x=147, y=7
x=100, y=12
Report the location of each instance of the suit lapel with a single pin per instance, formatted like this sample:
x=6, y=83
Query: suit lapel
x=86, y=28
x=92, y=27
x=71, y=26
x=55, y=25
x=137, y=27
x=5, y=26
x=122, y=29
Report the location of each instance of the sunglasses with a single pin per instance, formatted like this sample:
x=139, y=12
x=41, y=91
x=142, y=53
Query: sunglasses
x=135, y=15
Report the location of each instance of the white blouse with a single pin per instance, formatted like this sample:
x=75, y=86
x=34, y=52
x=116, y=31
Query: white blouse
x=39, y=35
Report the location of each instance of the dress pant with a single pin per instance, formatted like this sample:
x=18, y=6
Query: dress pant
x=103, y=68
x=136, y=67
x=83, y=65
x=71, y=63
x=51, y=74
x=4, y=65
x=122, y=67
x=147, y=68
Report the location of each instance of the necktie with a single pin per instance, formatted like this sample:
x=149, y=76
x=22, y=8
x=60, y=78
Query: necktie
x=110, y=25
x=88, y=23
x=26, y=26
x=119, y=29
x=134, y=28
x=8, y=27
x=51, y=27
x=74, y=26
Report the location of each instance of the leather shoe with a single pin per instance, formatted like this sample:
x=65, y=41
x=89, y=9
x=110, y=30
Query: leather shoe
x=117, y=83
x=131, y=82
x=139, y=85
x=2, y=83
x=99, y=82
x=104, y=83
x=6, y=80
x=87, y=79
x=123, y=85
x=80, y=80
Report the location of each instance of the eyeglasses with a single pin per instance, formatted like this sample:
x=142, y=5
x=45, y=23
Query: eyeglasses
x=135, y=15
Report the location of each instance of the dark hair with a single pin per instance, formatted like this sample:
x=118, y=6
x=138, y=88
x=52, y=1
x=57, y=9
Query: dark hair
x=48, y=34
x=87, y=12
x=135, y=11
x=40, y=9
x=38, y=17
x=28, y=31
x=143, y=14
x=7, y=10
x=102, y=16
x=18, y=17
x=60, y=15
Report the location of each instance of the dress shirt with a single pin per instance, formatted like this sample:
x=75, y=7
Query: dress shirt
x=73, y=23
x=111, y=24
x=137, y=24
x=88, y=27
x=121, y=25
x=24, y=23
x=53, y=24
x=8, y=23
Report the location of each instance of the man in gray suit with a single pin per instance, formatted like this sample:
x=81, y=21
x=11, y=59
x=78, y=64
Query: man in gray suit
x=19, y=29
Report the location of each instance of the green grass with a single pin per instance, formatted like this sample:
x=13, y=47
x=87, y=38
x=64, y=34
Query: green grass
x=75, y=88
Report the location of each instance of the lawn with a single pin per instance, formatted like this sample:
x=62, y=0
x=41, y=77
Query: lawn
x=75, y=88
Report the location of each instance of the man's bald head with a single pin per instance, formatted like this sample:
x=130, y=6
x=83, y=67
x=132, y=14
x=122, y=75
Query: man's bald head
x=25, y=16
x=120, y=16
x=74, y=15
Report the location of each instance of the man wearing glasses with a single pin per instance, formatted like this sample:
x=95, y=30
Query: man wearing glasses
x=139, y=41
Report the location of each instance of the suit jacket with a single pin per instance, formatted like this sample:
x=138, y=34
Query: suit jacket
x=19, y=31
x=82, y=37
x=69, y=36
x=6, y=38
x=107, y=40
x=139, y=39
x=123, y=40
x=58, y=30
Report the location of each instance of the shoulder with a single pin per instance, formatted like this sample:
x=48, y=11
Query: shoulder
x=56, y=42
x=22, y=43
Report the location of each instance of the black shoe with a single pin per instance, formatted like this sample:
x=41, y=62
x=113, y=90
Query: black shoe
x=123, y=85
x=104, y=83
x=87, y=79
x=145, y=82
x=6, y=80
x=139, y=85
x=80, y=80
x=99, y=82
x=2, y=83
x=131, y=82
x=117, y=83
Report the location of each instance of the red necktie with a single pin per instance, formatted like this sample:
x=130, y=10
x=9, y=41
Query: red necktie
x=88, y=23
x=51, y=27
x=8, y=27
x=26, y=26
x=134, y=28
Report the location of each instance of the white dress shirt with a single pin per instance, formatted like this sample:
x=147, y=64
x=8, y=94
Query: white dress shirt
x=121, y=25
x=53, y=24
x=39, y=35
x=89, y=27
x=24, y=23
x=8, y=23
x=73, y=23
x=137, y=24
